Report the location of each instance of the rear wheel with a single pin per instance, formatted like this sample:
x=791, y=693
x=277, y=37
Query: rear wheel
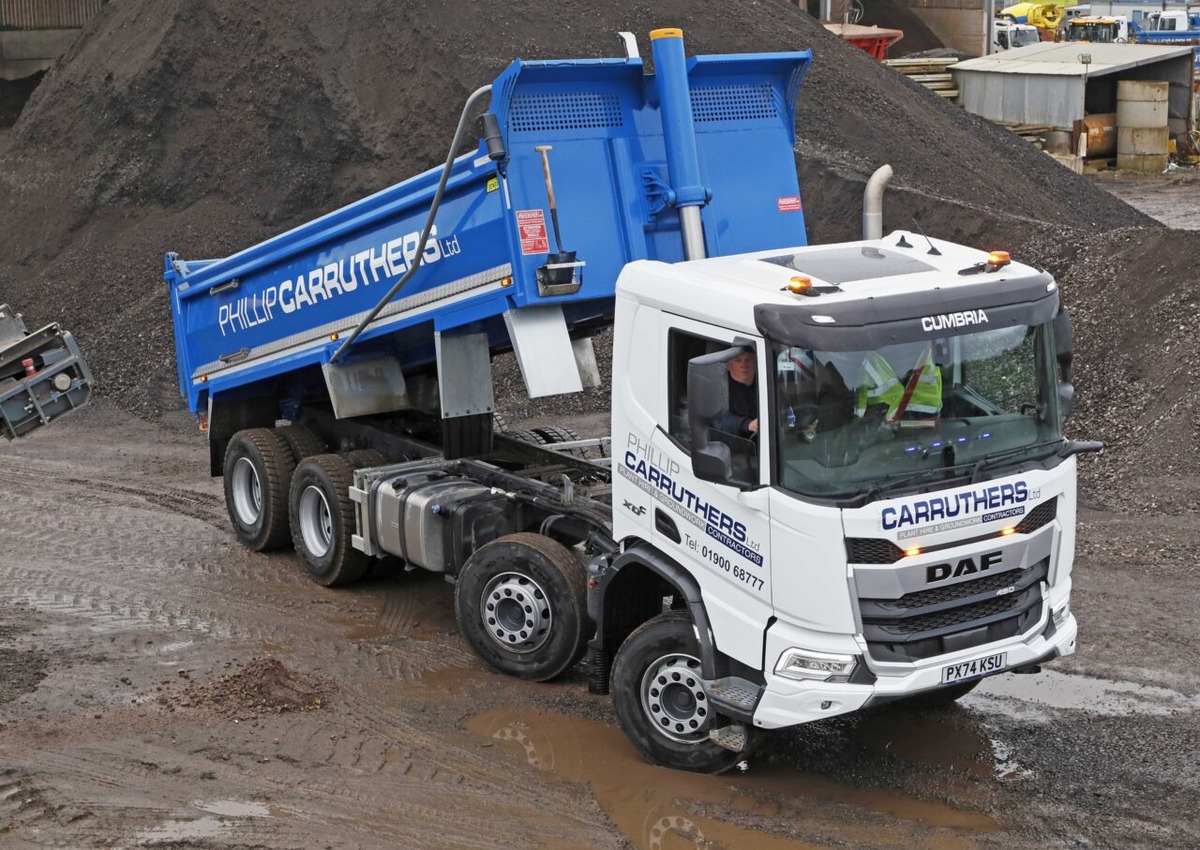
x=258, y=467
x=527, y=436
x=557, y=434
x=940, y=697
x=521, y=603
x=302, y=440
x=323, y=523
x=660, y=700
x=363, y=458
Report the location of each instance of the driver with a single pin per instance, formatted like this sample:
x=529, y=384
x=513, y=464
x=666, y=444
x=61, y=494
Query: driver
x=814, y=394
x=742, y=418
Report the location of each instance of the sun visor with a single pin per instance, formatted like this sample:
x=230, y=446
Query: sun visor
x=841, y=325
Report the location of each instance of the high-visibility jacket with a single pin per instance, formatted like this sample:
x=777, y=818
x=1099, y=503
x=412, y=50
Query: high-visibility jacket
x=878, y=384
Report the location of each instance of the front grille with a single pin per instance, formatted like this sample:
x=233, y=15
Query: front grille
x=1043, y=514
x=952, y=592
x=952, y=617
x=872, y=550
x=960, y=616
x=876, y=550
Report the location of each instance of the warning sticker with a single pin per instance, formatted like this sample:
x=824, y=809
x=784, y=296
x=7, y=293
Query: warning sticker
x=789, y=203
x=532, y=225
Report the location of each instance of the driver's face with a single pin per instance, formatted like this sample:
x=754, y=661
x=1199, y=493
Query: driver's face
x=743, y=368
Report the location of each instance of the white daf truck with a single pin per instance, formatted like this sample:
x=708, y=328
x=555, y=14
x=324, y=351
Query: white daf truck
x=890, y=516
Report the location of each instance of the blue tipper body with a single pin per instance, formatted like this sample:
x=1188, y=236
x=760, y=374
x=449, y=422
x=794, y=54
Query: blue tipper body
x=277, y=309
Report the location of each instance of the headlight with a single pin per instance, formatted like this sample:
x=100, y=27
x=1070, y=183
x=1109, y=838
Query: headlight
x=818, y=666
x=1060, y=614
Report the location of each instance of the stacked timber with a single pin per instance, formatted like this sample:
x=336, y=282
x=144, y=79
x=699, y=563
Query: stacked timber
x=932, y=73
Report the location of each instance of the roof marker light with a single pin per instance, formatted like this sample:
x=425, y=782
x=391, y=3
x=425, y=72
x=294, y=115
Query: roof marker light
x=997, y=260
x=800, y=285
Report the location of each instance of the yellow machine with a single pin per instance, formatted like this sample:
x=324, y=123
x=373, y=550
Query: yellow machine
x=1045, y=16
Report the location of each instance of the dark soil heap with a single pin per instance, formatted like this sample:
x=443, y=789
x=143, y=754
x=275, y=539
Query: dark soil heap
x=204, y=126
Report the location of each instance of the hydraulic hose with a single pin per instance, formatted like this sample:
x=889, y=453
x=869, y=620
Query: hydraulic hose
x=437, y=201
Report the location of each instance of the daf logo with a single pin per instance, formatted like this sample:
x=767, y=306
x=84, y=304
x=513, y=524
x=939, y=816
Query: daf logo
x=636, y=510
x=964, y=567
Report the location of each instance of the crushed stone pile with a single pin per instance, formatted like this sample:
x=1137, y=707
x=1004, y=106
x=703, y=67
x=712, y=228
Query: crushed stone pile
x=263, y=686
x=204, y=126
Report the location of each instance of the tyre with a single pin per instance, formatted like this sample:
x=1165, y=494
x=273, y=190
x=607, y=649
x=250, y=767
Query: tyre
x=527, y=436
x=940, y=697
x=554, y=434
x=363, y=458
x=521, y=603
x=302, y=440
x=257, y=470
x=660, y=700
x=322, y=519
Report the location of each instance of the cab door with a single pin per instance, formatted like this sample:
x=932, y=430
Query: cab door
x=719, y=531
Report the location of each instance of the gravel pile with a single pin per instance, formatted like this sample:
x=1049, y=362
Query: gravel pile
x=264, y=686
x=204, y=126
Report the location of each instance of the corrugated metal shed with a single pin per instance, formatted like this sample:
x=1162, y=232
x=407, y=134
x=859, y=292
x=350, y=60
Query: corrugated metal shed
x=1049, y=84
x=47, y=14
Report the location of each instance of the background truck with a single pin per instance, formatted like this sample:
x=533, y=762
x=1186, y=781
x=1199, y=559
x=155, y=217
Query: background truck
x=42, y=375
x=1165, y=27
x=1009, y=35
x=900, y=525
x=1044, y=17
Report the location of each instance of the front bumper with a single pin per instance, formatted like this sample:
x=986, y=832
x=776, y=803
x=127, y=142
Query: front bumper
x=789, y=702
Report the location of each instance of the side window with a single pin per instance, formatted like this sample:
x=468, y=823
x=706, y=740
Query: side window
x=682, y=347
x=738, y=427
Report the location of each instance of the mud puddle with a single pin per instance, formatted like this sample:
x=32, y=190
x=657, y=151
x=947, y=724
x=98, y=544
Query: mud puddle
x=219, y=817
x=659, y=808
x=1051, y=689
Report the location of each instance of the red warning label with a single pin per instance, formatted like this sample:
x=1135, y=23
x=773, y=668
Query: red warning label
x=532, y=225
x=789, y=203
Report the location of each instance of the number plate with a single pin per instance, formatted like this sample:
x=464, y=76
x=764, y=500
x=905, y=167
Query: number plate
x=985, y=666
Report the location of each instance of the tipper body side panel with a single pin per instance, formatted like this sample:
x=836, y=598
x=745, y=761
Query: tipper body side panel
x=281, y=307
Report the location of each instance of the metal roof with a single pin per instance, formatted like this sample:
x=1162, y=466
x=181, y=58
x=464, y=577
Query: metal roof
x=1061, y=59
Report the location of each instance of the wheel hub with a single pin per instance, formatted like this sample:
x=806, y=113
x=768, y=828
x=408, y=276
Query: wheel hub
x=247, y=492
x=316, y=521
x=516, y=613
x=673, y=698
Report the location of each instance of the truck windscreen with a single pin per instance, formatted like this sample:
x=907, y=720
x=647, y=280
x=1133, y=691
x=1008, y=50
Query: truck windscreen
x=914, y=414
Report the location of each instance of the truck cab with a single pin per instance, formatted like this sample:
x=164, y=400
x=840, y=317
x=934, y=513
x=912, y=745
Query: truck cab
x=1010, y=35
x=900, y=525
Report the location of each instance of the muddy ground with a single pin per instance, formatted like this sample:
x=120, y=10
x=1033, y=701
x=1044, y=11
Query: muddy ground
x=161, y=686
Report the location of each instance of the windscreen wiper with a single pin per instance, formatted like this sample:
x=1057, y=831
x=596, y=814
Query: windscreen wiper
x=899, y=480
x=990, y=461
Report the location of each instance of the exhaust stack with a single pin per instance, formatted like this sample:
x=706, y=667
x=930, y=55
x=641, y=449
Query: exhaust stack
x=873, y=202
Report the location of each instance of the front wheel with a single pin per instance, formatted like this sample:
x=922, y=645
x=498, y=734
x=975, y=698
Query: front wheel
x=660, y=700
x=323, y=522
x=521, y=603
